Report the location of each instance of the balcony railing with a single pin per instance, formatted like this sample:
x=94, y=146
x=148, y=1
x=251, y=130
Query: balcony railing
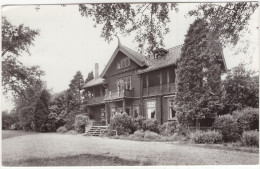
x=159, y=90
x=117, y=94
x=95, y=99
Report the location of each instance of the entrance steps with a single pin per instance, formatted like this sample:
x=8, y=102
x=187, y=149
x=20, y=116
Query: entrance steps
x=96, y=130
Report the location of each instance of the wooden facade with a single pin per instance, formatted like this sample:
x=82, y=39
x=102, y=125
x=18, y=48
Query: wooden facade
x=134, y=86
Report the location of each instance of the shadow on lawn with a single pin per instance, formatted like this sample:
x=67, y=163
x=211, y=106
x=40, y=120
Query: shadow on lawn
x=78, y=160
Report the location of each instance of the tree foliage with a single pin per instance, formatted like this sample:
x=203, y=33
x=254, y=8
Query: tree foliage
x=226, y=20
x=16, y=41
x=150, y=21
x=241, y=89
x=199, y=74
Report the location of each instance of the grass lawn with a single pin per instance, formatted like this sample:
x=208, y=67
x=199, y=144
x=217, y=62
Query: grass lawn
x=78, y=160
x=14, y=133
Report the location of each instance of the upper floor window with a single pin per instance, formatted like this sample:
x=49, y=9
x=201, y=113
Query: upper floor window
x=124, y=83
x=123, y=63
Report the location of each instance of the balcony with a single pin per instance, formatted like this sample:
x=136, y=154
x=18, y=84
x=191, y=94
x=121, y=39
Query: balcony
x=95, y=100
x=118, y=94
x=159, y=90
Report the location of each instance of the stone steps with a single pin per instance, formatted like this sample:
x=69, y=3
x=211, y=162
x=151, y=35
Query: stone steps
x=96, y=130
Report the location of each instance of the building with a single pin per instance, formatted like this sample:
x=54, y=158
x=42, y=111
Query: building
x=135, y=85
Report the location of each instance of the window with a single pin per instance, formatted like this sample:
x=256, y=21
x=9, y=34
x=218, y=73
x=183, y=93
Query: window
x=172, y=110
x=172, y=75
x=124, y=83
x=150, y=109
x=164, y=76
x=136, y=111
x=154, y=78
x=123, y=63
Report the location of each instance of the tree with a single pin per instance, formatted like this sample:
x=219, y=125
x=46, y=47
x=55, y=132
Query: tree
x=15, y=41
x=90, y=77
x=33, y=106
x=198, y=74
x=150, y=21
x=75, y=88
x=226, y=20
x=242, y=89
x=74, y=100
x=8, y=119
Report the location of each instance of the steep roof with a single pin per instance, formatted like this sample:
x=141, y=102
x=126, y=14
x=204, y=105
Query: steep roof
x=94, y=82
x=135, y=56
x=169, y=59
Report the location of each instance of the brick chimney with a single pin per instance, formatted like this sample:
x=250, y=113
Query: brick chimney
x=96, y=71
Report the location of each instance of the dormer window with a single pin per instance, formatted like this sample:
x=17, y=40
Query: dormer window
x=123, y=63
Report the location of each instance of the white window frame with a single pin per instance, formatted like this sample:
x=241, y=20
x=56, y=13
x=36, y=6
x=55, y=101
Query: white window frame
x=124, y=83
x=123, y=63
x=151, y=107
x=170, y=107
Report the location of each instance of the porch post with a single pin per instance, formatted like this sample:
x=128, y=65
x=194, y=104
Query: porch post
x=160, y=82
x=168, y=81
x=123, y=105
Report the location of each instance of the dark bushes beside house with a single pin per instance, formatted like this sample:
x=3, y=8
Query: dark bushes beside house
x=125, y=124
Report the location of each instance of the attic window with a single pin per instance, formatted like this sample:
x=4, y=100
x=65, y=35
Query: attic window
x=123, y=63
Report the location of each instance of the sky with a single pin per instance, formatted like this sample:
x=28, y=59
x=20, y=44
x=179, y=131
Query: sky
x=68, y=42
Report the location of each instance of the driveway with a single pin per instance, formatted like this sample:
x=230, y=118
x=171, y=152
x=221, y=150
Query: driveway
x=158, y=153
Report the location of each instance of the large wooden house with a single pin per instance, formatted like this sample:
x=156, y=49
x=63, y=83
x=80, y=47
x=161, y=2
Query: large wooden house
x=135, y=85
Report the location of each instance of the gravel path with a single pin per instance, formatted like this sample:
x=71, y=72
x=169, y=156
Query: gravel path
x=56, y=145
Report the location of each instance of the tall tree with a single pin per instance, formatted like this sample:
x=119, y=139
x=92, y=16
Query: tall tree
x=198, y=74
x=241, y=89
x=16, y=41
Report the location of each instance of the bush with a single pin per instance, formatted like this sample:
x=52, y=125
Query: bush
x=210, y=137
x=62, y=130
x=250, y=138
x=139, y=134
x=122, y=123
x=149, y=135
x=72, y=132
x=138, y=122
x=247, y=119
x=228, y=127
x=80, y=122
x=169, y=128
x=151, y=125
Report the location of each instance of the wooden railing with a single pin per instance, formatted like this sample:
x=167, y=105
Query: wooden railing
x=116, y=94
x=159, y=90
x=95, y=99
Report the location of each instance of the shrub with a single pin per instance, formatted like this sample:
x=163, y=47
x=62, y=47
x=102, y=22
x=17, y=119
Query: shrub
x=149, y=135
x=72, y=132
x=43, y=128
x=62, y=129
x=168, y=128
x=250, y=138
x=138, y=122
x=228, y=127
x=247, y=119
x=80, y=122
x=122, y=123
x=210, y=137
x=139, y=134
x=151, y=125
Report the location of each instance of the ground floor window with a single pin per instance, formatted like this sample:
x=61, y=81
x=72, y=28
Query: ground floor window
x=151, y=107
x=172, y=109
x=136, y=111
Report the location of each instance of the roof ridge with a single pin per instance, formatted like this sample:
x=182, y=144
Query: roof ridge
x=132, y=50
x=175, y=47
